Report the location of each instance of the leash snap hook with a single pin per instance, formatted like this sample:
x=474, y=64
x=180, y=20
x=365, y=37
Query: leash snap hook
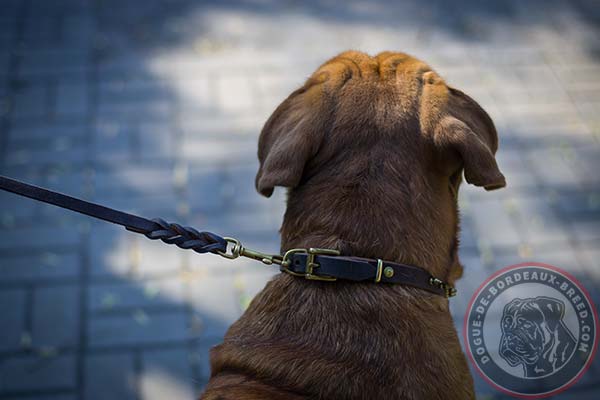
x=238, y=250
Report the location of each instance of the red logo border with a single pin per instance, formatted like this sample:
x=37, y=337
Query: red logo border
x=594, y=346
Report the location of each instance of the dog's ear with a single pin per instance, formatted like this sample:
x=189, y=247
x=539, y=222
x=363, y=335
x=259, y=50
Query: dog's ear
x=467, y=130
x=290, y=137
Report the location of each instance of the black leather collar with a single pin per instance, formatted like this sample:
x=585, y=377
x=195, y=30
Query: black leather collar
x=333, y=267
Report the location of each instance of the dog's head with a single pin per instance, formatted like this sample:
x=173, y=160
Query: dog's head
x=531, y=327
x=354, y=101
x=368, y=139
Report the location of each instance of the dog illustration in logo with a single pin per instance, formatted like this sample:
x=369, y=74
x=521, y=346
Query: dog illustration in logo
x=534, y=335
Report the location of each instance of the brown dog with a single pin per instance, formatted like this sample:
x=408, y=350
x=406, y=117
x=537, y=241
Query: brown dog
x=372, y=150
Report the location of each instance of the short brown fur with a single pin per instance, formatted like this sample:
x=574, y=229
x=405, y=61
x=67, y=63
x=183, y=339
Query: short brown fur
x=372, y=150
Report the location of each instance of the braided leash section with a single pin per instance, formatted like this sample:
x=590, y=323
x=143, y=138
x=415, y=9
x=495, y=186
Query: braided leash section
x=187, y=238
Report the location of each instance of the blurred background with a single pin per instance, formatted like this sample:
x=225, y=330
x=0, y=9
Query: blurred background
x=155, y=107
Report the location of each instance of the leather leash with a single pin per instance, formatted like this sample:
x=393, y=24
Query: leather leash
x=312, y=264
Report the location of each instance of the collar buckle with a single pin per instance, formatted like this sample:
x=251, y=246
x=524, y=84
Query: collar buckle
x=310, y=263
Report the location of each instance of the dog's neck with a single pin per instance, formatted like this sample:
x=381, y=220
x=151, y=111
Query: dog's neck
x=362, y=221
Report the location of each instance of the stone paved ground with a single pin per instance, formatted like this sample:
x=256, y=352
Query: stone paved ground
x=155, y=107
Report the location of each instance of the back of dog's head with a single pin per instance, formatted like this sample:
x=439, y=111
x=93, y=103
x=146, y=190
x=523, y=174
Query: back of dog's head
x=373, y=149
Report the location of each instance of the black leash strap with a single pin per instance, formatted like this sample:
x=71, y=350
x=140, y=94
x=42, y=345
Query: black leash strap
x=313, y=264
x=181, y=236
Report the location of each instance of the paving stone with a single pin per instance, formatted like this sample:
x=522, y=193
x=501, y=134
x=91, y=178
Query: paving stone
x=240, y=191
x=155, y=141
x=537, y=76
x=197, y=125
x=519, y=176
x=59, y=151
x=251, y=282
x=72, y=100
x=13, y=207
x=539, y=222
x=28, y=131
x=113, y=141
x=26, y=373
x=200, y=266
x=588, y=165
x=563, y=257
x=554, y=166
x=6, y=41
x=136, y=328
x=13, y=312
x=589, y=112
x=467, y=236
x=585, y=94
x=31, y=102
x=135, y=180
x=131, y=89
x=28, y=174
x=110, y=297
x=591, y=265
x=202, y=358
x=243, y=223
x=475, y=273
x=71, y=181
x=581, y=75
x=493, y=223
x=578, y=205
x=38, y=237
x=214, y=318
x=110, y=376
x=586, y=230
x=40, y=29
x=110, y=251
x=41, y=266
x=540, y=116
x=575, y=132
x=156, y=259
x=234, y=94
x=45, y=61
x=56, y=316
x=141, y=109
x=277, y=85
x=78, y=29
x=166, y=206
x=195, y=95
x=166, y=374
x=113, y=63
x=204, y=188
x=217, y=151
x=8, y=25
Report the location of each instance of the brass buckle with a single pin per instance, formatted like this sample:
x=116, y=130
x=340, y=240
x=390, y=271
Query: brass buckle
x=310, y=263
x=449, y=290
